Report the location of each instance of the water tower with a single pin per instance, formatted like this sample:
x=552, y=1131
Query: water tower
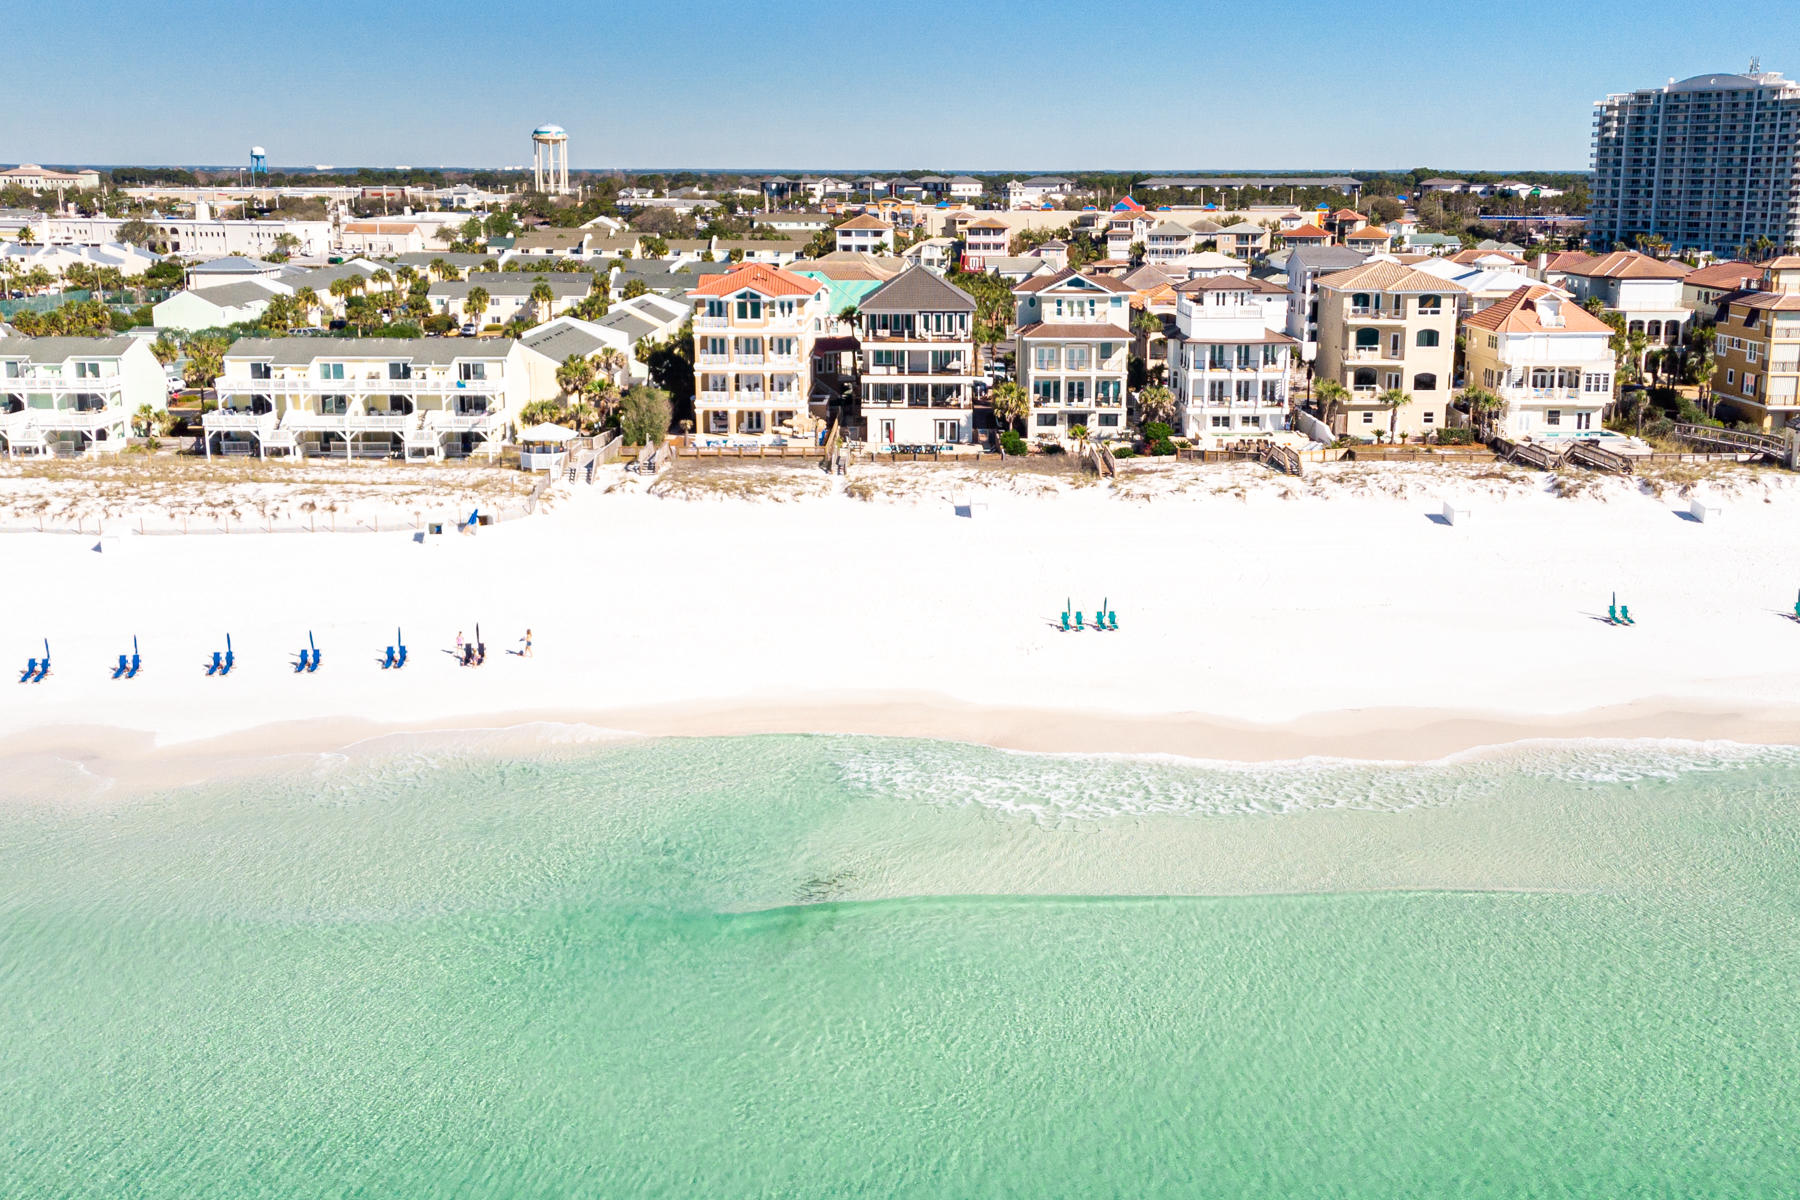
x=259, y=164
x=550, y=160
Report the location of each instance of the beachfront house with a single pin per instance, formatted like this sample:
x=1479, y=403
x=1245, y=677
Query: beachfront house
x=1646, y=291
x=1385, y=327
x=420, y=399
x=75, y=395
x=1549, y=360
x=1756, y=348
x=1228, y=366
x=754, y=328
x=918, y=361
x=1072, y=349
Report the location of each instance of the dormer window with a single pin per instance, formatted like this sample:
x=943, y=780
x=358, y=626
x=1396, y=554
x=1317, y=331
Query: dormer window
x=1550, y=313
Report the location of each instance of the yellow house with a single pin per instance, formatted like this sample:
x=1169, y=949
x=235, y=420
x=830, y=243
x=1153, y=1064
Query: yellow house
x=1756, y=348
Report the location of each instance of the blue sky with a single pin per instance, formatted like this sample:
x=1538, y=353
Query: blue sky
x=959, y=84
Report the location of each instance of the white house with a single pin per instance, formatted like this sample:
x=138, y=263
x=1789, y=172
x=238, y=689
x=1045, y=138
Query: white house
x=1646, y=291
x=218, y=306
x=864, y=235
x=73, y=395
x=1229, y=366
x=918, y=361
x=383, y=238
x=1038, y=191
x=1072, y=347
x=421, y=399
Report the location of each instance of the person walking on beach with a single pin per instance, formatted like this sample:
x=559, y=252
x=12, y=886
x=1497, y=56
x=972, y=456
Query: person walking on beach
x=459, y=644
x=526, y=653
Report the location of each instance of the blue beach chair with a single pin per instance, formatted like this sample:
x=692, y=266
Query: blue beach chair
x=1625, y=614
x=387, y=664
x=401, y=661
x=230, y=658
x=217, y=666
x=30, y=672
x=1112, y=620
x=43, y=665
x=1078, y=625
x=124, y=665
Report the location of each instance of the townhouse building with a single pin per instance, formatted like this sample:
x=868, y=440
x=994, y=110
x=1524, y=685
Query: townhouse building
x=918, y=362
x=1548, y=358
x=1072, y=349
x=1168, y=241
x=1704, y=287
x=75, y=395
x=754, y=329
x=509, y=295
x=1241, y=239
x=1228, y=363
x=417, y=399
x=1384, y=326
x=1756, y=349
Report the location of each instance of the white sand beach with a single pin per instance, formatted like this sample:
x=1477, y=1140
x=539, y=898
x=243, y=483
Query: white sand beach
x=1259, y=617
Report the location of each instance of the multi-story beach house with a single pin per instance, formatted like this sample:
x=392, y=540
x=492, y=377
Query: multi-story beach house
x=918, y=361
x=421, y=399
x=1228, y=367
x=1756, y=349
x=1305, y=264
x=74, y=395
x=1646, y=291
x=1546, y=357
x=1386, y=327
x=754, y=328
x=1072, y=350
x=984, y=239
x=864, y=235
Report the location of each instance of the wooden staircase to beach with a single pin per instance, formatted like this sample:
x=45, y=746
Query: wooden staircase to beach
x=1281, y=458
x=1773, y=448
x=1528, y=454
x=1597, y=457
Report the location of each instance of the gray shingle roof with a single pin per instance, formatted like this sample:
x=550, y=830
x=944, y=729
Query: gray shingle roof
x=917, y=289
x=559, y=343
x=60, y=349
x=234, y=295
x=235, y=264
x=299, y=351
x=563, y=284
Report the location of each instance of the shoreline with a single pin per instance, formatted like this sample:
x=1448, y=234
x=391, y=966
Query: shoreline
x=134, y=761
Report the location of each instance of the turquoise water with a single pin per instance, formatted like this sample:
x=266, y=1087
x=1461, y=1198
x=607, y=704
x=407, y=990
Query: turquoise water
x=854, y=967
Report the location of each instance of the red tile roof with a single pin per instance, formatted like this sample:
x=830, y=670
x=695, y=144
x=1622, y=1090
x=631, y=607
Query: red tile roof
x=1730, y=276
x=1518, y=313
x=1305, y=233
x=757, y=277
x=864, y=222
x=1371, y=234
x=1628, y=264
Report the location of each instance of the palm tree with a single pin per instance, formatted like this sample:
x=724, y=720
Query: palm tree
x=1011, y=404
x=165, y=349
x=614, y=365
x=475, y=305
x=1484, y=409
x=574, y=375
x=1331, y=396
x=542, y=297
x=1394, y=400
x=441, y=269
x=27, y=236
x=305, y=301
x=1157, y=403
x=1703, y=373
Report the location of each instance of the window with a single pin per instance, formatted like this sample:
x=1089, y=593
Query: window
x=1730, y=378
x=1424, y=383
x=1360, y=302
x=1428, y=416
x=470, y=370
x=1430, y=306
x=1368, y=417
x=1394, y=345
x=1553, y=416
x=331, y=370
x=258, y=370
x=1047, y=391
x=1078, y=392
x=749, y=308
x=1217, y=391
x=1368, y=339
x=1427, y=337
x=715, y=308
x=1076, y=358
x=1109, y=420
x=1364, y=378
x=1044, y=358
x=1594, y=382
x=1046, y=420
x=1221, y=422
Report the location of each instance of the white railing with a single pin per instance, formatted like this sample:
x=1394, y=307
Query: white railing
x=239, y=386
x=713, y=395
x=222, y=420
x=1365, y=354
x=60, y=385
x=710, y=360
x=463, y=422
x=68, y=418
x=749, y=360
x=705, y=322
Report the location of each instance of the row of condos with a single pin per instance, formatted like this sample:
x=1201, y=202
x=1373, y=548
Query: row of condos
x=754, y=330
x=420, y=399
x=75, y=395
x=1228, y=369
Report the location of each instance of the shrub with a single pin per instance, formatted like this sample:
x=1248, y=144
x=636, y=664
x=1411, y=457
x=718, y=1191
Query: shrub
x=644, y=415
x=1157, y=431
x=1012, y=443
x=1162, y=446
x=440, y=323
x=1124, y=450
x=1050, y=447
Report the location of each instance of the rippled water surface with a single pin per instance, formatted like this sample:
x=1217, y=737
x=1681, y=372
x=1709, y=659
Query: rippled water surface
x=840, y=966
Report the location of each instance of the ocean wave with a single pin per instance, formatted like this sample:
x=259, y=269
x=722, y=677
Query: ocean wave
x=1079, y=787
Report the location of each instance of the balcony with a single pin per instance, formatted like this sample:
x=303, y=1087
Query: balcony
x=75, y=419
x=382, y=386
x=1368, y=354
x=705, y=322
x=225, y=420
x=59, y=385
x=463, y=422
x=711, y=360
x=956, y=367
x=748, y=360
